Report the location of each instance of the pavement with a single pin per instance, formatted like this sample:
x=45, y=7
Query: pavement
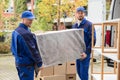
x=8, y=70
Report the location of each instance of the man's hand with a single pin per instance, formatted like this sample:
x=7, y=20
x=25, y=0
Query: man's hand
x=83, y=55
x=39, y=69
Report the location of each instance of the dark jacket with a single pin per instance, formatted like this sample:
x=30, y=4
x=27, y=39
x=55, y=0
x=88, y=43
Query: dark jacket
x=87, y=26
x=24, y=47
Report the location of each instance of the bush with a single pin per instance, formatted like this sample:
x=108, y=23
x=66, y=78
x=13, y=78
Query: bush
x=4, y=47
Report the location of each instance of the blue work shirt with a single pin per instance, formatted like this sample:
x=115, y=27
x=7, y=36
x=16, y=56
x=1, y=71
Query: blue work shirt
x=24, y=50
x=87, y=26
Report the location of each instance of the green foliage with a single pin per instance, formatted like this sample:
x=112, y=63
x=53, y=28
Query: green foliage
x=47, y=11
x=13, y=22
x=5, y=46
x=41, y=25
x=38, y=1
x=20, y=6
x=3, y=6
x=107, y=5
x=1, y=34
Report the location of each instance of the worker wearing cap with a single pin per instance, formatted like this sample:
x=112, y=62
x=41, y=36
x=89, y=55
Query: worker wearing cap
x=24, y=48
x=83, y=65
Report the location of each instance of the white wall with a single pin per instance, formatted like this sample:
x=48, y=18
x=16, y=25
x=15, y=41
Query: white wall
x=96, y=10
x=96, y=14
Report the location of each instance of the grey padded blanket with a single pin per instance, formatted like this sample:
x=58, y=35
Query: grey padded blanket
x=60, y=46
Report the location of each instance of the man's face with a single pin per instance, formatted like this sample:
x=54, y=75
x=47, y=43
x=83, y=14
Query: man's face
x=80, y=15
x=27, y=22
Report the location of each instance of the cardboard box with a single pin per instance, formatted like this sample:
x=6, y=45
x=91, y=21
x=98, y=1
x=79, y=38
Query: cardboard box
x=60, y=69
x=71, y=77
x=48, y=71
x=47, y=78
x=60, y=77
x=71, y=68
x=40, y=78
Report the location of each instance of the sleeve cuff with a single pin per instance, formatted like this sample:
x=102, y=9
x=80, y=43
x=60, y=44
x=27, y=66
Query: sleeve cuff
x=39, y=64
x=84, y=51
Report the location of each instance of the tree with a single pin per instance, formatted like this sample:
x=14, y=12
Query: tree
x=20, y=5
x=4, y=46
x=3, y=6
x=47, y=11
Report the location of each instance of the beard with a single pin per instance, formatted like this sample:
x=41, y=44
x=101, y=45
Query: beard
x=29, y=25
x=80, y=18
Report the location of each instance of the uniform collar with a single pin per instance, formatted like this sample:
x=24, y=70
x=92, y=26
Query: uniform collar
x=83, y=21
x=79, y=22
x=23, y=26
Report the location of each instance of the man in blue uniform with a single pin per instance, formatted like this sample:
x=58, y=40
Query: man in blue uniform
x=24, y=48
x=83, y=65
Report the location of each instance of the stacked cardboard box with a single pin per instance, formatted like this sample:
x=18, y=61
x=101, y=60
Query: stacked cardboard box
x=71, y=68
x=65, y=71
x=71, y=71
x=70, y=76
x=60, y=69
x=60, y=77
x=48, y=71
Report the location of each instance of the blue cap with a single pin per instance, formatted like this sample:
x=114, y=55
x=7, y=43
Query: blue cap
x=80, y=9
x=28, y=15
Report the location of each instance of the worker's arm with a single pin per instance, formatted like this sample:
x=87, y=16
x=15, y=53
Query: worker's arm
x=14, y=43
x=89, y=39
x=34, y=52
x=31, y=50
x=89, y=45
